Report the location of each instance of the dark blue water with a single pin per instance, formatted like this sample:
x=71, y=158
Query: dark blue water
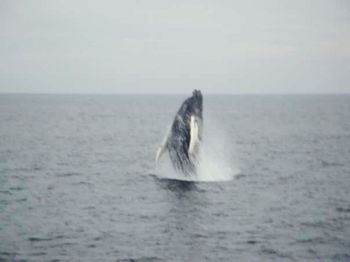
x=77, y=181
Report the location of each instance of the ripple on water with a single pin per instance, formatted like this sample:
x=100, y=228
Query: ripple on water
x=313, y=240
x=5, y=192
x=16, y=188
x=140, y=259
x=252, y=242
x=39, y=239
x=68, y=174
x=326, y=164
x=343, y=209
x=7, y=256
x=274, y=253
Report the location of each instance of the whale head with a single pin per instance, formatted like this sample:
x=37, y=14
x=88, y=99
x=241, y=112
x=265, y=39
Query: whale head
x=197, y=102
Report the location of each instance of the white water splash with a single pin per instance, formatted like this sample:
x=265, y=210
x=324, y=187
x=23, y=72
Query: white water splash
x=215, y=159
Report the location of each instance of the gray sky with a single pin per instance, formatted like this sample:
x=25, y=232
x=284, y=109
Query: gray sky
x=159, y=46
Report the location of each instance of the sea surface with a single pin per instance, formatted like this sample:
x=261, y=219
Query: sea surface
x=78, y=180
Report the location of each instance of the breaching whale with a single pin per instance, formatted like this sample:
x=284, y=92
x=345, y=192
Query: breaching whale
x=185, y=136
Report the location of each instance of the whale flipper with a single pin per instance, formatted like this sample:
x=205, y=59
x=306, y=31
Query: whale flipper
x=194, y=135
x=162, y=148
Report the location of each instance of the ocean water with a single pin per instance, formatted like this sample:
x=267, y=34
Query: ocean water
x=78, y=180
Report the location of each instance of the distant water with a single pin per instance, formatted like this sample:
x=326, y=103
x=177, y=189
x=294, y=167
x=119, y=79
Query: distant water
x=77, y=180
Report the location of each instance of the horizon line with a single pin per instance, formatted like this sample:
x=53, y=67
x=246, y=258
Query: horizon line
x=165, y=94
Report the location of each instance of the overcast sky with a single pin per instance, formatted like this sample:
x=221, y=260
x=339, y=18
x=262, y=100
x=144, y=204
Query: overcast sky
x=159, y=46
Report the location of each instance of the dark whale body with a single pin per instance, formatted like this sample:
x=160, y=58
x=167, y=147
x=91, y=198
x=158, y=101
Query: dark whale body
x=185, y=135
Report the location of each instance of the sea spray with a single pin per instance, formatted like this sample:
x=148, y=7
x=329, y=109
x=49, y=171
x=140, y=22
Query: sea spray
x=216, y=156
